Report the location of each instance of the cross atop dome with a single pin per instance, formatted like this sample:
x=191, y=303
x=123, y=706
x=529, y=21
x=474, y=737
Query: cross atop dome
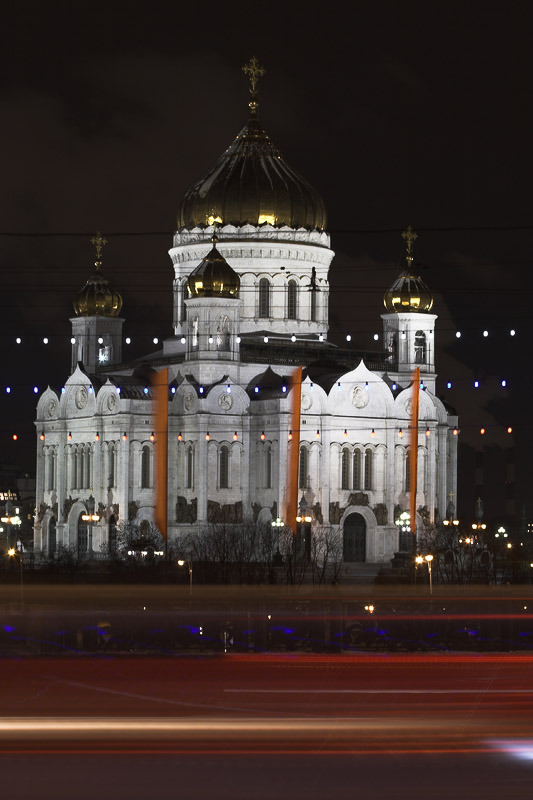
x=409, y=236
x=99, y=243
x=254, y=71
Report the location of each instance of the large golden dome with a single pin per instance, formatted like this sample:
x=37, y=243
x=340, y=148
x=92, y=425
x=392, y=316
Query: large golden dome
x=98, y=298
x=408, y=293
x=251, y=183
x=213, y=277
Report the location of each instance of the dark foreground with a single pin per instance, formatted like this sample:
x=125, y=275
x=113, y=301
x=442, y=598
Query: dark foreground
x=268, y=725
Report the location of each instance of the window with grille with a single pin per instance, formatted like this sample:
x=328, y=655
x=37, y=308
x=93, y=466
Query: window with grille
x=145, y=467
x=345, y=470
x=304, y=468
x=368, y=470
x=292, y=300
x=223, y=467
x=264, y=298
x=357, y=470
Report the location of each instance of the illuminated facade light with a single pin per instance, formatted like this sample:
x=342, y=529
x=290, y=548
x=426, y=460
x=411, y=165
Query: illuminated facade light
x=345, y=433
x=124, y=437
x=183, y=340
x=455, y=431
x=428, y=432
x=504, y=383
x=512, y=332
x=318, y=434
x=283, y=389
x=155, y=340
x=476, y=384
x=372, y=433
x=263, y=436
x=128, y=340
x=265, y=339
x=100, y=340
x=41, y=437
x=400, y=433
x=228, y=388
x=15, y=437
x=293, y=338
x=180, y=437
x=458, y=334
x=449, y=385
x=152, y=437
x=207, y=436
x=376, y=337
x=210, y=340
x=348, y=338
x=201, y=389
x=45, y=340
x=235, y=436
x=509, y=429
x=482, y=431
x=97, y=436
x=290, y=435
x=69, y=437
x=485, y=334
x=73, y=340
x=19, y=340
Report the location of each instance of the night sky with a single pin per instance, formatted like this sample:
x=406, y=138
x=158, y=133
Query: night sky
x=397, y=112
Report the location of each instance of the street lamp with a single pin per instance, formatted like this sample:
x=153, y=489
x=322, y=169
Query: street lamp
x=428, y=559
x=11, y=517
x=13, y=553
x=188, y=561
x=90, y=517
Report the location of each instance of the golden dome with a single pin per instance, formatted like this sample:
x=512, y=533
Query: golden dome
x=213, y=277
x=408, y=292
x=252, y=184
x=97, y=298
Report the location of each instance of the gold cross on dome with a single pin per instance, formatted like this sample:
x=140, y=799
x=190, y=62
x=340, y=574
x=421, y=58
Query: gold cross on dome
x=409, y=236
x=254, y=71
x=99, y=243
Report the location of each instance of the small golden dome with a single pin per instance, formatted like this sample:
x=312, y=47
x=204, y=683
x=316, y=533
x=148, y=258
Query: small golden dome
x=252, y=184
x=213, y=277
x=97, y=298
x=408, y=292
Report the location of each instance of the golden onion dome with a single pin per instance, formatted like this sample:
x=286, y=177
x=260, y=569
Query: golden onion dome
x=408, y=293
x=252, y=184
x=98, y=298
x=213, y=277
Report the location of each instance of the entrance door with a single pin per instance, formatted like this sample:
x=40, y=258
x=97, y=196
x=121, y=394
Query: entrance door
x=354, y=538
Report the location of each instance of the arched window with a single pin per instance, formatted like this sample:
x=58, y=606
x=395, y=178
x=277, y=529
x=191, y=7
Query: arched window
x=52, y=537
x=368, y=470
x=112, y=534
x=292, y=300
x=183, y=307
x=345, y=470
x=80, y=459
x=223, y=334
x=313, y=304
x=303, y=468
x=145, y=467
x=73, y=470
x=190, y=468
x=223, y=467
x=264, y=298
x=194, y=333
x=83, y=537
x=268, y=468
x=408, y=471
x=357, y=470
x=111, y=466
x=420, y=347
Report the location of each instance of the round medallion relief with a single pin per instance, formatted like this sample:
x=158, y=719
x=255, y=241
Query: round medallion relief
x=81, y=397
x=188, y=401
x=51, y=410
x=408, y=405
x=112, y=402
x=359, y=397
x=307, y=402
x=225, y=401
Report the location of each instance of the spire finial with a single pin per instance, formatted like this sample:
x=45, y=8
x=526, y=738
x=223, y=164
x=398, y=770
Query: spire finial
x=409, y=236
x=254, y=71
x=99, y=242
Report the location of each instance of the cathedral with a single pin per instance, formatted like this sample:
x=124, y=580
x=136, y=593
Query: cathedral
x=251, y=258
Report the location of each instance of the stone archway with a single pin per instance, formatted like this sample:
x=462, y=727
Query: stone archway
x=354, y=538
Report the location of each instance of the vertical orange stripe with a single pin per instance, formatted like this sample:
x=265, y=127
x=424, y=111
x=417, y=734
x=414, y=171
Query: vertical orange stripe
x=160, y=389
x=414, y=453
x=291, y=499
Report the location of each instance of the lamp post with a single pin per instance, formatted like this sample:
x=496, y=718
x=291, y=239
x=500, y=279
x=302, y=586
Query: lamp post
x=13, y=553
x=428, y=559
x=188, y=561
x=11, y=517
x=90, y=517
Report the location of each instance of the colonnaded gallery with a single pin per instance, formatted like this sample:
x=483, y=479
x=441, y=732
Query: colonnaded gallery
x=251, y=258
